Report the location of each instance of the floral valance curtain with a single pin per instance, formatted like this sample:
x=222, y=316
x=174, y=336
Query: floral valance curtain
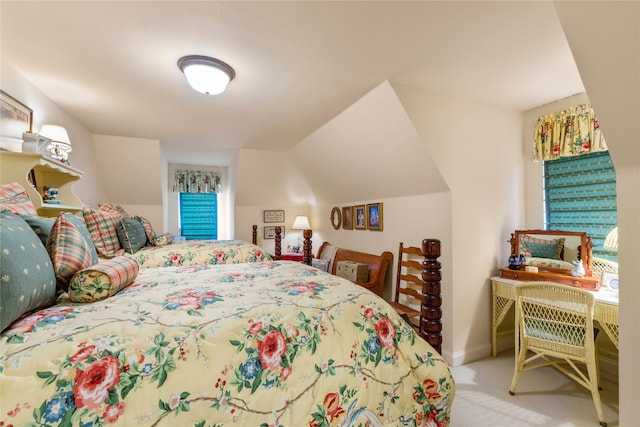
x=194, y=181
x=568, y=133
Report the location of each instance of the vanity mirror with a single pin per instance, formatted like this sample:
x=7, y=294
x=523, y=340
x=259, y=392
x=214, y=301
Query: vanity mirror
x=551, y=255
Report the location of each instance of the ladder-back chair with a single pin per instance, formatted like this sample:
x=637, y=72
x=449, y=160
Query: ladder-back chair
x=554, y=327
x=408, y=283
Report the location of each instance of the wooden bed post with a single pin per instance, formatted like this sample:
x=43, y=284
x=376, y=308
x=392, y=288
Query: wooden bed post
x=431, y=313
x=278, y=243
x=306, y=247
x=254, y=236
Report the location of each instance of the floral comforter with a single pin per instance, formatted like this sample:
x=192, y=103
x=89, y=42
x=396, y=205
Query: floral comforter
x=256, y=344
x=194, y=252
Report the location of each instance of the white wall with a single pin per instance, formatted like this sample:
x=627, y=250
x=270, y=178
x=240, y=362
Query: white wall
x=131, y=172
x=90, y=188
x=477, y=149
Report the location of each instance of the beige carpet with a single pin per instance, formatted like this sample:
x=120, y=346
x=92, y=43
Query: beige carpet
x=544, y=397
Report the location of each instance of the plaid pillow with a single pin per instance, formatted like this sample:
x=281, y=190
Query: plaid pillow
x=113, y=207
x=70, y=250
x=103, y=226
x=103, y=280
x=14, y=197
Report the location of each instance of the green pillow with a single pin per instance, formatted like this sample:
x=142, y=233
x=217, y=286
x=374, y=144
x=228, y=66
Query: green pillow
x=543, y=250
x=41, y=226
x=131, y=235
x=27, y=281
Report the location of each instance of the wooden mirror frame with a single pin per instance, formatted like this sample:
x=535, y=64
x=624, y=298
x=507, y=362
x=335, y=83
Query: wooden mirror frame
x=584, y=251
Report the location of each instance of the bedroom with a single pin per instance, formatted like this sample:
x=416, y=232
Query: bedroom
x=466, y=333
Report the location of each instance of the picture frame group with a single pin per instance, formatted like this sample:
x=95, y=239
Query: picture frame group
x=359, y=217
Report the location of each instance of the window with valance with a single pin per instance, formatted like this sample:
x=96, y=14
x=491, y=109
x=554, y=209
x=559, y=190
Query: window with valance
x=196, y=181
x=568, y=133
x=579, y=176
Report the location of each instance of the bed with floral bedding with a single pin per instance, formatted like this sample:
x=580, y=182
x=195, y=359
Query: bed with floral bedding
x=275, y=343
x=195, y=252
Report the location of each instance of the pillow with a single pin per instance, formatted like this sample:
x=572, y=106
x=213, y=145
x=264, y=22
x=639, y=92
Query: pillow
x=103, y=228
x=148, y=229
x=163, y=239
x=320, y=263
x=131, y=235
x=103, y=280
x=27, y=281
x=541, y=248
x=112, y=207
x=70, y=248
x=15, y=198
x=41, y=226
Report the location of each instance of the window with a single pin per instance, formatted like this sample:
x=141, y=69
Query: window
x=580, y=195
x=199, y=216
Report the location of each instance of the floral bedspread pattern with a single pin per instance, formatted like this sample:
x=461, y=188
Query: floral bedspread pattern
x=260, y=344
x=195, y=252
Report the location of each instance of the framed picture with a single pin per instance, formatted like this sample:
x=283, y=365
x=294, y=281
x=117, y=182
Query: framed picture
x=295, y=249
x=347, y=217
x=374, y=216
x=270, y=231
x=609, y=280
x=274, y=216
x=336, y=218
x=17, y=118
x=360, y=214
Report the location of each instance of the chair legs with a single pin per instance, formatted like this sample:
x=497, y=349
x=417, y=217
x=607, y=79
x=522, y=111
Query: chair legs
x=590, y=381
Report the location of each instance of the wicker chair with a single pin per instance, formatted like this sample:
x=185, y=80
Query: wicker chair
x=555, y=328
x=598, y=265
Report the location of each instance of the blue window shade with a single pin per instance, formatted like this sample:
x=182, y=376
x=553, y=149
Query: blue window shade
x=580, y=195
x=199, y=216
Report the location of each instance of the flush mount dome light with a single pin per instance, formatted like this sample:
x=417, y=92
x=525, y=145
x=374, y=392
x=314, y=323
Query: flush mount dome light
x=206, y=75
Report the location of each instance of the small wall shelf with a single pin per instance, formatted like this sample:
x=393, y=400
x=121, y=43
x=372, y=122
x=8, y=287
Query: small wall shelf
x=15, y=166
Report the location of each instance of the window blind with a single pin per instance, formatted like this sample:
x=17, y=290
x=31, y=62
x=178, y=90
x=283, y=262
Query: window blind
x=580, y=195
x=199, y=216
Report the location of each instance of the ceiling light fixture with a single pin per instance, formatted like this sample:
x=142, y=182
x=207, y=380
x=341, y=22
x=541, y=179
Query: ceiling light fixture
x=206, y=75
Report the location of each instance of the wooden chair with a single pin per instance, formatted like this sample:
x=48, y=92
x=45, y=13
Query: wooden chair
x=554, y=327
x=408, y=281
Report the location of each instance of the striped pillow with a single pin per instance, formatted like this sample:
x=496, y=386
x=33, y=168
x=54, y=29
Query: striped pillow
x=14, y=197
x=103, y=226
x=70, y=248
x=103, y=280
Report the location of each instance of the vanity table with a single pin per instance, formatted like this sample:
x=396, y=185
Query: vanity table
x=503, y=298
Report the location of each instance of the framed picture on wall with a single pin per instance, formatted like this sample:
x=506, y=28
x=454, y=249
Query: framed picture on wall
x=17, y=118
x=274, y=216
x=360, y=214
x=347, y=217
x=374, y=216
x=270, y=231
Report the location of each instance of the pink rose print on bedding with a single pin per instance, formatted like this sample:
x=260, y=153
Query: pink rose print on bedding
x=92, y=385
x=386, y=333
x=270, y=350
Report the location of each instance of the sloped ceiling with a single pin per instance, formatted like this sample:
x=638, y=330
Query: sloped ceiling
x=112, y=64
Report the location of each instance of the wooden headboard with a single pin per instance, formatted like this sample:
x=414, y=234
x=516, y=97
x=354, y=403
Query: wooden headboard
x=306, y=246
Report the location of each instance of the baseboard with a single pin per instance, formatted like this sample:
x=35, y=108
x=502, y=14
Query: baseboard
x=468, y=355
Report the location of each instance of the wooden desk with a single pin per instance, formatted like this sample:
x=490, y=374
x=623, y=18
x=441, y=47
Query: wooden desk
x=503, y=297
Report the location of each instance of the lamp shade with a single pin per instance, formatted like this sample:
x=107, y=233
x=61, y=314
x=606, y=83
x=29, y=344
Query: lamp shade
x=55, y=133
x=206, y=75
x=611, y=242
x=301, y=223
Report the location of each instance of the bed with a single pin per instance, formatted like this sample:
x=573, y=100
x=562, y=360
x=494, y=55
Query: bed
x=255, y=343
